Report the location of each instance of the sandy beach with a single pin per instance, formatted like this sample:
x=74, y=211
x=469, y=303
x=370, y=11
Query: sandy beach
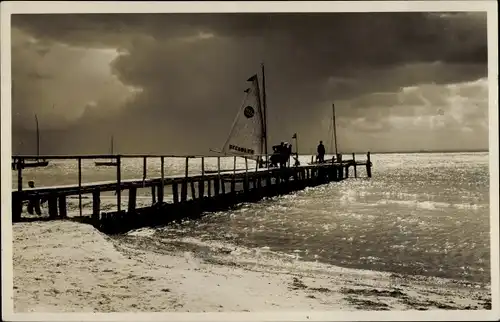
x=70, y=267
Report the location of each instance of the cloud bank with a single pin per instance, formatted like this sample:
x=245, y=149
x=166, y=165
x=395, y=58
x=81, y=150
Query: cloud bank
x=172, y=83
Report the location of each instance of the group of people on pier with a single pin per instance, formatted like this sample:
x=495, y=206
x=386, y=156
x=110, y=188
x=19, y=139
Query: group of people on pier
x=281, y=155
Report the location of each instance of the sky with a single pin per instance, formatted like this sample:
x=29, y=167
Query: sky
x=173, y=83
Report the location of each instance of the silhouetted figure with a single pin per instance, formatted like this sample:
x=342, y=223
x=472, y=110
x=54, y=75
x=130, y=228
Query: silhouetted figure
x=321, y=152
x=288, y=153
x=261, y=162
x=282, y=152
x=275, y=157
x=33, y=202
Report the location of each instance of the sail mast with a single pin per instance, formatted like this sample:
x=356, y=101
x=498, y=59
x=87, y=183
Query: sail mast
x=264, y=106
x=334, y=128
x=37, y=137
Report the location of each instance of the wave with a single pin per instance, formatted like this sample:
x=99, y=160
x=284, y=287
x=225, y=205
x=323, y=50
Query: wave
x=430, y=205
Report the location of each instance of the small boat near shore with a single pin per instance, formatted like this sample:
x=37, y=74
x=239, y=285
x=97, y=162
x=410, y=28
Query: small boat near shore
x=110, y=163
x=33, y=163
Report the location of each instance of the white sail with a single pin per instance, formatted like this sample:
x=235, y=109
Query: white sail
x=247, y=133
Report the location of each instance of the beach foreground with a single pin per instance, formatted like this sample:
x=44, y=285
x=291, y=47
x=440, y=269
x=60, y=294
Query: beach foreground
x=69, y=267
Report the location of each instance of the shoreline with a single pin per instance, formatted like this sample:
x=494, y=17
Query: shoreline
x=69, y=267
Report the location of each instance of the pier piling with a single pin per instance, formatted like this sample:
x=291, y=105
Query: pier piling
x=80, y=210
x=62, y=207
x=118, y=183
x=175, y=193
x=96, y=205
x=161, y=187
x=52, y=204
x=153, y=194
x=354, y=165
x=368, y=165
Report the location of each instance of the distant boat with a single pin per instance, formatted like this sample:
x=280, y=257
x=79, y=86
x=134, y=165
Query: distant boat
x=110, y=163
x=248, y=134
x=37, y=163
x=334, y=140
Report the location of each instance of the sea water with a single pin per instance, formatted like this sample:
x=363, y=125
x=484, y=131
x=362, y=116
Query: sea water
x=420, y=214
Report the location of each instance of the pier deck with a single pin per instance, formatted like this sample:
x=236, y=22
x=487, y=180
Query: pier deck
x=208, y=191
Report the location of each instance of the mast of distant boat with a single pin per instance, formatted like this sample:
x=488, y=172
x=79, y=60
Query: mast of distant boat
x=37, y=138
x=264, y=107
x=334, y=133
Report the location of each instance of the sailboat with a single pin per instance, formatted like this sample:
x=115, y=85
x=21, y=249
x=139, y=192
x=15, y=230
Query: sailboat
x=333, y=130
x=37, y=163
x=110, y=163
x=248, y=134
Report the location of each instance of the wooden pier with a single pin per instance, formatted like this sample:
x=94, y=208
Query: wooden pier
x=192, y=194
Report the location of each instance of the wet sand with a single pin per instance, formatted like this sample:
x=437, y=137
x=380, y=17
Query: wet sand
x=69, y=267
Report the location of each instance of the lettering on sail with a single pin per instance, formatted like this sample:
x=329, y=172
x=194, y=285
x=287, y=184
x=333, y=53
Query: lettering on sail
x=240, y=149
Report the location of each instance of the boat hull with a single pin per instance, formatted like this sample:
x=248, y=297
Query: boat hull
x=35, y=164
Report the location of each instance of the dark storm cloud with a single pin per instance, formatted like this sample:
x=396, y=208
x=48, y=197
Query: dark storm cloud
x=190, y=68
x=360, y=38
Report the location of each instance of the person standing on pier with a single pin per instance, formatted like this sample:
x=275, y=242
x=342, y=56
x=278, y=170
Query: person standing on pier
x=321, y=152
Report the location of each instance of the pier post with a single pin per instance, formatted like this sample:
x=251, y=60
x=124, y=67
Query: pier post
x=368, y=165
x=175, y=192
x=17, y=207
x=216, y=186
x=193, y=190
x=17, y=204
x=340, y=169
x=52, y=201
x=153, y=194
x=80, y=186
x=132, y=199
x=185, y=182
x=246, y=183
x=347, y=171
x=209, y=186
x=201, y=183
x=161, y=187
x=144, y=170
x=118, y=183
x=233, y=180
x=96, y=206
x=354, y=165
x=63, y=211
x=19, y=174
x=217, y=181
x=201, y=189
